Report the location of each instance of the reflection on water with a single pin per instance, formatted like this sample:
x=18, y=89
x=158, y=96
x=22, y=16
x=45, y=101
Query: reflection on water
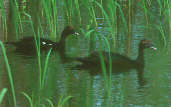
x=83, y=86
x=127, y=89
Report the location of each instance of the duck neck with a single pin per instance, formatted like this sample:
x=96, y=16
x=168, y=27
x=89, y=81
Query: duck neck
x=140, y=58
x=61, y=45
x=62, y=41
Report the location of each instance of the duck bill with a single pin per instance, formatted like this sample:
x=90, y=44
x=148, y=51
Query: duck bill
x=154, y=48
x=76, y=33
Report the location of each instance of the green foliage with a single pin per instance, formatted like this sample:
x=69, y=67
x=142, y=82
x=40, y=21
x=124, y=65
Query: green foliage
x=28, y=98
x=63, y=100
x=45, y=68
x=112, y=15
x=9, y=73
x=4, y=23
x=2, y=94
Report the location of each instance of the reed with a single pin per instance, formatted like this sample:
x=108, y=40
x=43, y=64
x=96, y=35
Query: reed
x=2, y=94
x=50, y=10
x=9, y=73
x=29, y=99
x=17, y=17
x=161, y=7
x=107, y=78
x=122, y=16
x=3, y=15
x=145, y=10
x=34, y=103
x=63, y=100
x=50, y=102
x=45, y=68
x=169, y=16
x=37, y=42
x=163, y=35
x=109, y=11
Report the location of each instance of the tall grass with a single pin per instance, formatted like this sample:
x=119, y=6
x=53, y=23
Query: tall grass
x=50, y=102
x=29, y=99
x=122, y=16
x=9, y=73
x=37, y=42
x=63, y=100
x=50, y=11
x=110, y=23
x=32, y=104
x=163, y=35
x=145, y=10
x=90, y=5
x=42, y=72
x=169, y=16
x=14, y=8
x=2, y=94
x=3, y=15
x=107, y=74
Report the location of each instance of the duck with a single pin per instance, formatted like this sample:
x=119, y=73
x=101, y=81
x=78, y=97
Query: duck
x=120, y=63
x=28, y=45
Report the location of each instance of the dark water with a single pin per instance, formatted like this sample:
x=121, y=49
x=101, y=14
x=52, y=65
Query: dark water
x=87, y=90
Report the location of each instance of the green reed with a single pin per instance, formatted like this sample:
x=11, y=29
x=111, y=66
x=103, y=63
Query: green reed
x=37, y=42
x=78, y=9
x=168, y=12
x=105, y=14
x=50, y=102
x=9, y=73
x=110, y=23
x=29, y=99
x=72, y=9
x=107, y=78
x=161, y=7
x=63, y=100
x=45, y=68
x=2, y=94
x=163, y=35
x=16, y=17
x=3, y=15
x=91, y=7
x=145, y=10
x=113, y=15
x=122, y=16
x=50, y=10
x=109, y=14
x=88, y=33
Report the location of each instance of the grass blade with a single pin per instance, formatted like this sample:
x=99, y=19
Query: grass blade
x=28, y=98
x=9, y=73
x=2, y=94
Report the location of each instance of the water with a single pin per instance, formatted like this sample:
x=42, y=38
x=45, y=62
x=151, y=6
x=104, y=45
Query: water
x=89, y=90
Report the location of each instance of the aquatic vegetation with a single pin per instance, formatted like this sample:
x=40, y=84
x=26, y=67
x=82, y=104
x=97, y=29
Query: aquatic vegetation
x=108, y=25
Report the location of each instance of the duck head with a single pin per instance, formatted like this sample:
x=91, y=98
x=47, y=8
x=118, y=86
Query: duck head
x=69, y=30
x=146, y=44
